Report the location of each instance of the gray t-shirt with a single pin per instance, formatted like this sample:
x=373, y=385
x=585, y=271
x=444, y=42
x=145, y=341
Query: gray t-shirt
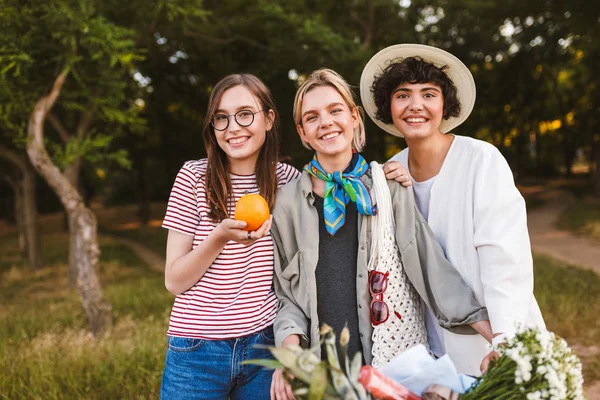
x=336, y=276
x=422, y=191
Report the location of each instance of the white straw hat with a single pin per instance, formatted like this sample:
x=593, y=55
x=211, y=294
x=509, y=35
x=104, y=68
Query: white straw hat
x=456, y=71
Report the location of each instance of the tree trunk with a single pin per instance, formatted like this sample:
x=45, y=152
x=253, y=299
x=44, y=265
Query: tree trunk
x=72, y=268
x=25, y=208
x=72, y=172
x=30, y=220
x=17, y=186
x=84, y=229
x=20, y=221
x=82, y=221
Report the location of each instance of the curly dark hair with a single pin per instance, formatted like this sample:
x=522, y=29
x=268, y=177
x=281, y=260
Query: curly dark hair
x=412, y=70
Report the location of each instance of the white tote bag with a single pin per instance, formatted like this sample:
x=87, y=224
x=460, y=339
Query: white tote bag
x=405, y=326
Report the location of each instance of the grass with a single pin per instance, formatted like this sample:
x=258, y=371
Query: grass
x=570, y=302
x=46, y=351
x=71, y=365
x=582, y=218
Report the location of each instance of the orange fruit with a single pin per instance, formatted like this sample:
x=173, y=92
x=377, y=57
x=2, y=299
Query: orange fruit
x=252, y=209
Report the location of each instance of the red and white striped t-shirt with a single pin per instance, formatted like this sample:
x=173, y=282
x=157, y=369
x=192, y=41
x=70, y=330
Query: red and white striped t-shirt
x=235, y=296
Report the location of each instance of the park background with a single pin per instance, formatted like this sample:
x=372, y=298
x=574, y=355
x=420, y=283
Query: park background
x=108, y=97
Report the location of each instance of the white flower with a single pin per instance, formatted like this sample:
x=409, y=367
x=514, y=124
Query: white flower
x=541, y=369
x=537, y=395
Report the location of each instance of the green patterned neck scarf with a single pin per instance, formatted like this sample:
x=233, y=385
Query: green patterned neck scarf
x=340, y=188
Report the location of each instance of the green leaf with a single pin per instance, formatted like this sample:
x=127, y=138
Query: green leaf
x=307, y=360
x=355, y=366
x=318, y=382
x=8, y=67
x=342, y=385
x=289, y=360
x=353, y=375
x=330, y=348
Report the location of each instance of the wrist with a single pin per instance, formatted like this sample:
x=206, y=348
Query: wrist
x=498, y=340
x=218, y=235
x=291, y=340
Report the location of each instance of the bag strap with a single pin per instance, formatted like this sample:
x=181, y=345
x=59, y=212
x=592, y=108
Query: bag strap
x=383, y=221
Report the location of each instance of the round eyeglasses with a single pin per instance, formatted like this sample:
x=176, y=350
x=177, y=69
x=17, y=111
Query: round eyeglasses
x=243, y=118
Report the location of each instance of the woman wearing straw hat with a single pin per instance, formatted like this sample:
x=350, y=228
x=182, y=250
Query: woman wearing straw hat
x=463, y=187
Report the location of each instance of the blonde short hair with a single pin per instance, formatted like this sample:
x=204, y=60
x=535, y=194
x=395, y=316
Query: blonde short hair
x=328, y=77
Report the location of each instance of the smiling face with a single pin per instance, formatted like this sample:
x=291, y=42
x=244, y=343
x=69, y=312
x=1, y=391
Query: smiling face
x=327, y=123
x=242, y=144
x=417, y=109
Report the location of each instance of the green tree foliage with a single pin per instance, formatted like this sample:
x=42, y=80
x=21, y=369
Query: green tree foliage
x=65, y=50
x=41, y=39
x=534, y=63
x=531, y=62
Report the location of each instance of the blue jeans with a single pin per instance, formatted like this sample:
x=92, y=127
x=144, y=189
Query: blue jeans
x=212, y=370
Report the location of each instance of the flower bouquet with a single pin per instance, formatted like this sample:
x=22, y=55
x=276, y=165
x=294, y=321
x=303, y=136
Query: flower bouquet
x=533, y=365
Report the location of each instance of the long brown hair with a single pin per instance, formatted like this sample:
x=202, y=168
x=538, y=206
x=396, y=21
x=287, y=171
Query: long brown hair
x=218, y=181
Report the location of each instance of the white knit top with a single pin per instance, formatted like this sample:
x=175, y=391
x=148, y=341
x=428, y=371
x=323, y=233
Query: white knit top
x=405, y=326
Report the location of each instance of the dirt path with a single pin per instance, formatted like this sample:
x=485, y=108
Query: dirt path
x=547, y=239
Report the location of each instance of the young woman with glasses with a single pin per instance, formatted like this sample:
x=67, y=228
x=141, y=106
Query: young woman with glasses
x=220, y=273
x=320, y=227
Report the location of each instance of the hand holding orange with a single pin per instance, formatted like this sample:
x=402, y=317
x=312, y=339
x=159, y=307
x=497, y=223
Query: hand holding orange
x=252, y=209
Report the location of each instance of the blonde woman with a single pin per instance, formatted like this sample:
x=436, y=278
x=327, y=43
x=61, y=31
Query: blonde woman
x=320, y=231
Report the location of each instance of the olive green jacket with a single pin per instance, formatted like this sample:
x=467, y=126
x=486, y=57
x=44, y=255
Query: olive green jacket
x=295, y=232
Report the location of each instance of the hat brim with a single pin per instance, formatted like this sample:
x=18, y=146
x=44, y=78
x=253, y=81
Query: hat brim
x=456, y=71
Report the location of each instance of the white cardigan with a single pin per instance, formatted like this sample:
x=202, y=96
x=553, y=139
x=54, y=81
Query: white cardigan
x=479, y=218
